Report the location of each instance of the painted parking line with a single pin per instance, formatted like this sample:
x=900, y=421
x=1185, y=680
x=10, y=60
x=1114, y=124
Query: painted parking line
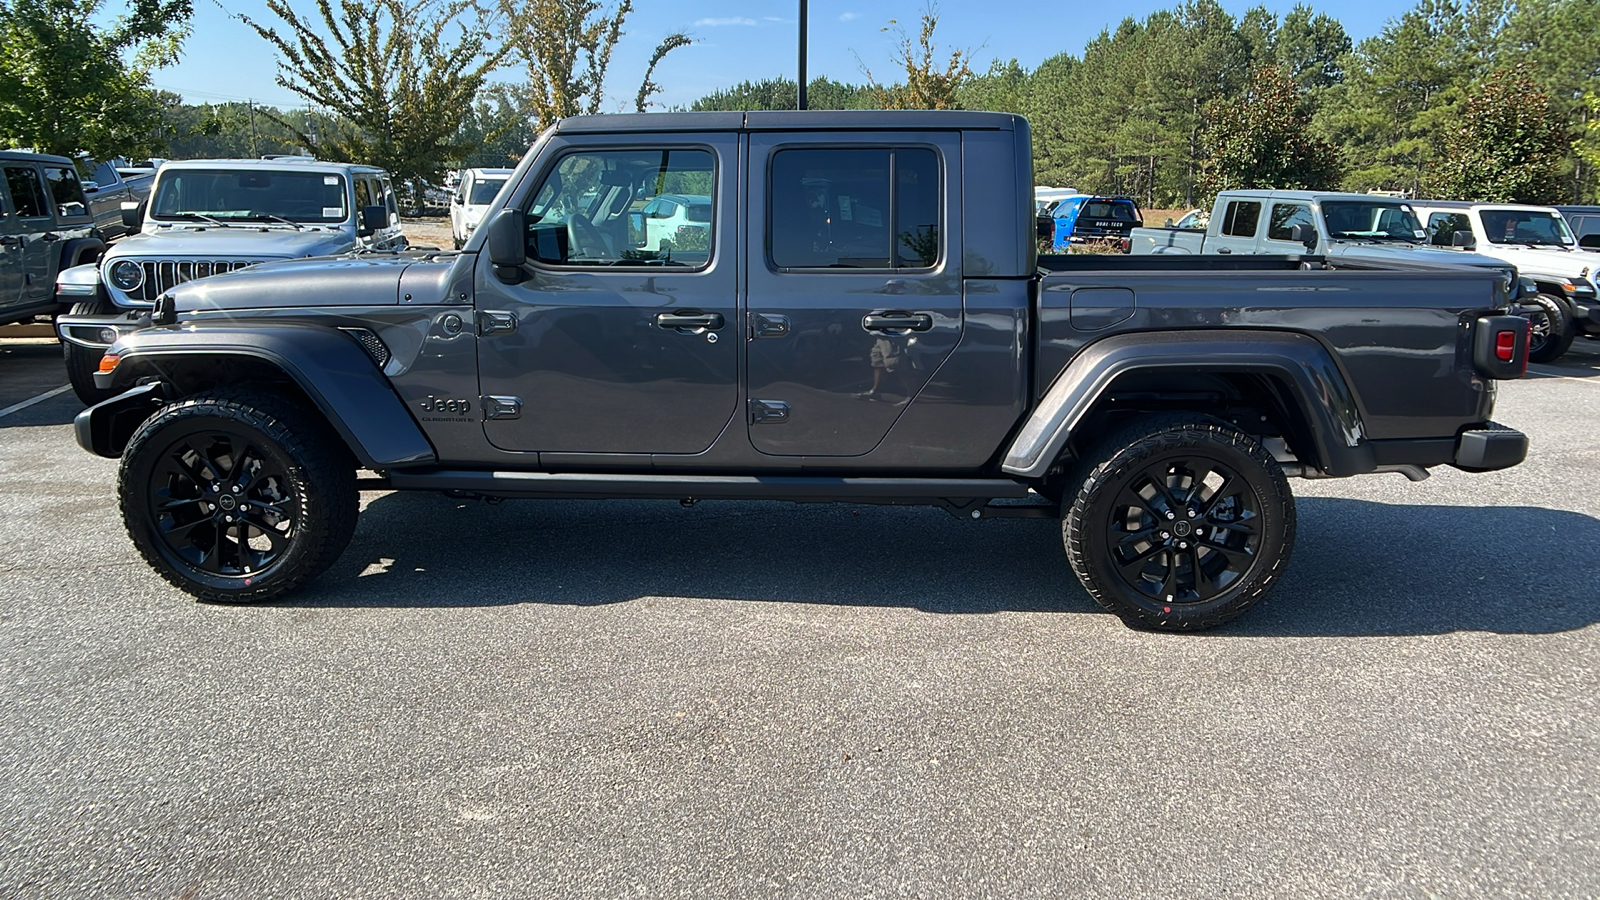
x=18, y=407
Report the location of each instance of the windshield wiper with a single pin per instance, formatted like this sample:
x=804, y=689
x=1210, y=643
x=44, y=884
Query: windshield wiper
x=272, y=218
x=203, y=217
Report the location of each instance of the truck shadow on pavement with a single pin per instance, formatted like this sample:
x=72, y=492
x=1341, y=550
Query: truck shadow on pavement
x=1360, y=567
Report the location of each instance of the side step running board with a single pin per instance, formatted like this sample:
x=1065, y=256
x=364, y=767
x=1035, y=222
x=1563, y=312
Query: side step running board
x=965, y=493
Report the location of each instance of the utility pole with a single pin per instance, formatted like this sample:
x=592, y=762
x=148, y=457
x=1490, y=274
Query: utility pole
x=802, y=82
x=253, y=153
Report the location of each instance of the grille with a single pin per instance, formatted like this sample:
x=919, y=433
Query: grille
x=164, y=274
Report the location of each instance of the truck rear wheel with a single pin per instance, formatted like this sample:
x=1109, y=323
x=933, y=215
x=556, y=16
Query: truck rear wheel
x=1182, y=522
x=82, y=362
x=1550, y=327
x=237, y=497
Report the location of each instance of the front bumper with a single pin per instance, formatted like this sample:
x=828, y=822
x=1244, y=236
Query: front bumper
x=91, y=331
x=1489, y=447
x=1586, y=313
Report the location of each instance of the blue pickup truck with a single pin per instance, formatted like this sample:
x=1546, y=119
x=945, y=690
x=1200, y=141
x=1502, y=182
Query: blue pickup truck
x=1088, y=218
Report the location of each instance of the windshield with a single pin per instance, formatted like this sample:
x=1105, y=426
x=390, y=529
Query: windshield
x=1517, y=226
x=198, y=194
x=484, y=191
x=1372, y=220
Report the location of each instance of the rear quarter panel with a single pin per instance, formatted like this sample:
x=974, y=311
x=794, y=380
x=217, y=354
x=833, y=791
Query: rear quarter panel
x=1402, y=339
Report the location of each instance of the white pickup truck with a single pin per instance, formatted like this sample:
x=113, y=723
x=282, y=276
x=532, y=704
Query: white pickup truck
x=1563, y=302
x=1337, y=226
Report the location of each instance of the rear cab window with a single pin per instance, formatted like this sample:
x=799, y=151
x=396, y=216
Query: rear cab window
x=854, y=208
x=1241, y=218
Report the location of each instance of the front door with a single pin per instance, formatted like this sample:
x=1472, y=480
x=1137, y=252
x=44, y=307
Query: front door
x=854, y=285
x=608, y=344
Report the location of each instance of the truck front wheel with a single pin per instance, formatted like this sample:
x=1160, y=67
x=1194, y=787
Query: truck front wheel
x=83, y=362
x=1182, y=522
x=237, y=497
x=1550, y=327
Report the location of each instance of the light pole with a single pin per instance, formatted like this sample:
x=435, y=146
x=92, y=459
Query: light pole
x=802, y=54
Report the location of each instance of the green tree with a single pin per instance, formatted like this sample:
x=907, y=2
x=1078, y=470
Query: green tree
x=780, y=93
x=396, y=87
x=1004, y=88
x=66, y=82
x=566, y=46
x=1264, y=140
x=1508, y=147
x=930, y=83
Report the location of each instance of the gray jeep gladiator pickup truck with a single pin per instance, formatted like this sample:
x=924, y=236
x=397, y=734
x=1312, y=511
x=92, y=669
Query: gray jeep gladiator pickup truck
x=866, y=321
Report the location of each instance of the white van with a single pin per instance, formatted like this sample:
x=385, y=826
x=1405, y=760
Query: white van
x=474, y=192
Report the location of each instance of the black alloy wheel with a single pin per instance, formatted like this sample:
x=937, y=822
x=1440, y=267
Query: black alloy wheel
x=223, y=505
x=238, y=497
x=1181, y=522
x=1184, y=530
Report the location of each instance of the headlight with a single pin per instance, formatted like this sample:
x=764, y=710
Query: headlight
x=126, y=275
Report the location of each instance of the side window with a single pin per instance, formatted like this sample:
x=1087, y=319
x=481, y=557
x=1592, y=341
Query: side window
x=854, y=209
x=1241, y=218
x=1442, y=228
x=363, y=194
x=666, y=210
x=105, y=175
x=583, y=213
x=27, y=192
x=1287, y=215
x=66, y=191
x=389, y=201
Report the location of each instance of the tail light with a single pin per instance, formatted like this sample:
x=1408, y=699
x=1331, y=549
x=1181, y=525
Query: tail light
x=1500, y=346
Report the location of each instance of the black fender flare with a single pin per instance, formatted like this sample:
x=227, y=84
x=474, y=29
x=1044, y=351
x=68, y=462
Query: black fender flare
x=328, y=365
x=74, y=250
x=1316, y=384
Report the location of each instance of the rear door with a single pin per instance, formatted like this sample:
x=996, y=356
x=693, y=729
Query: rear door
x=1237, y=233
x=607, y=346
x=853, y=266
x=35, y=222
x=11, y=250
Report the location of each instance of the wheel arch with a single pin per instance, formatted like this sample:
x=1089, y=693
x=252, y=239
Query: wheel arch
x=1289, y=378
x=324, y=368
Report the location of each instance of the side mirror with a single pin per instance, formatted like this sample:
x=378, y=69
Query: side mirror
x=508, y=244
x=1044, y=226
x=372, y=219
x=1169, y=222
x=1303, y=234
x=91, y=187
x=1464, y=240
x=132, y=214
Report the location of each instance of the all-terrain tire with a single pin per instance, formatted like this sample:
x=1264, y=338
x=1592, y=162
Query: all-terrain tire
x=238, y=496
x=1550, y=327
x=1181, y=522
x=83, y=362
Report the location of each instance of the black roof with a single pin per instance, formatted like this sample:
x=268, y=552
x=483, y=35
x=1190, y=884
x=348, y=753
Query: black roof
x=23, y=156
x=794, y=120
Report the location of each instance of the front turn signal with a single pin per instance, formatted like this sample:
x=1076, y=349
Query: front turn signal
x=109, y=362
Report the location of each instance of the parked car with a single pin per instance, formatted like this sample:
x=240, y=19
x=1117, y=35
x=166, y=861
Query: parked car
x=1351, y=229
x=45, y=226
x=108, y=189
x=206, y=217
x=1585, y=224
x=1562, y=303
x=475, y=190
x=868, y=324
x=1094, y=219
x=673, y=221
x=1193, y=220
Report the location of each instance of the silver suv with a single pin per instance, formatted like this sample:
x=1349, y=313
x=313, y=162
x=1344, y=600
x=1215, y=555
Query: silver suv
x=207, y=217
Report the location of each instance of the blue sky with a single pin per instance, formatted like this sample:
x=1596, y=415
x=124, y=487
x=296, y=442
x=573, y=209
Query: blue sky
x=737, y=40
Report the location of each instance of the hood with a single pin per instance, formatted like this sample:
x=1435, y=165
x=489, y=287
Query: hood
x=234, y=242
x=1544, y=261
x=1415, y=254
x=336, y=281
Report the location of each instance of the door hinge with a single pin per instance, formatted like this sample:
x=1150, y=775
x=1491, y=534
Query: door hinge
x=502, y=407
x=768, y=412
x=492, y=321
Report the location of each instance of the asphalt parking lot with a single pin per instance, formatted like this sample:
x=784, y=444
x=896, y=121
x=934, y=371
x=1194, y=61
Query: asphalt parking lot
x=631, y=699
